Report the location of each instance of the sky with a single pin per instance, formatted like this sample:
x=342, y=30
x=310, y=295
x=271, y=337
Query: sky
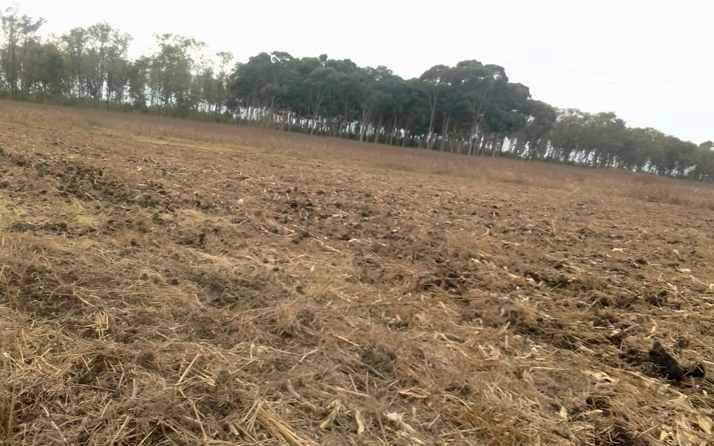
x=651, y=62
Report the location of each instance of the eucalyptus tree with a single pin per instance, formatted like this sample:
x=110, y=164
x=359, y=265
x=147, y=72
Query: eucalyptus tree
x=531, y=141
x=171, y=71
x=19, y=33
x=470, y=108
x=435, y=80
x=104, y=55
x=44, y=74
x=137, y=79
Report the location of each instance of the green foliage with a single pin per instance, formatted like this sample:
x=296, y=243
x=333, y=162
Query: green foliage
x=19, y=36
x=471, y=108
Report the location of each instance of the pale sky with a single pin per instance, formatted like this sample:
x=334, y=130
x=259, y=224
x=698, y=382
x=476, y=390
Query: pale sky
x=651, y=62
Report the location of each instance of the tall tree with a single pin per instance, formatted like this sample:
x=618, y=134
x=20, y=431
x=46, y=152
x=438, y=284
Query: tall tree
x=137, y=74
x=470, y=108
x=221, y=97
x=74, y=43
x=435, y=81
x=19, y=32
x=171, y=72
x=105, y=51
x=44, y=71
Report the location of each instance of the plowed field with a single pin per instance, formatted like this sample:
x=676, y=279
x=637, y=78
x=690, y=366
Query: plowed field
x=165, y=282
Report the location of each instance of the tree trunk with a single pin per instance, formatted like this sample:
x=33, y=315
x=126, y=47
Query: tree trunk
x=430, y=136
x=444, y=132
x=316, y=113
x=453, y=140
x=394, y=129
x=366, y=115
x=498, y=149
x=482, y=144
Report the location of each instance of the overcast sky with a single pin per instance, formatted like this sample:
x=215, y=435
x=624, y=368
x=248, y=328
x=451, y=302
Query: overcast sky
x=651, y=62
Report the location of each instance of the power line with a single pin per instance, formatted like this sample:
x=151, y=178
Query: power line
x=598, y=73
x=548, y=59
x=593, y=72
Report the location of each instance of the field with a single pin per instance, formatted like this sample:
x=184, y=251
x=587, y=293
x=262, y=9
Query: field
x=167, y=282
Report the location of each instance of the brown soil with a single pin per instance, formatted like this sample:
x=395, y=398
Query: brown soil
x=165, y=291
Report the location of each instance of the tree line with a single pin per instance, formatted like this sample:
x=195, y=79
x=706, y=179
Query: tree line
x=471, y=108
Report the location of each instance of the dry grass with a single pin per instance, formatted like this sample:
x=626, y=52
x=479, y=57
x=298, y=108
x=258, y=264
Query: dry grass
x=166, y=282
x=200, y=135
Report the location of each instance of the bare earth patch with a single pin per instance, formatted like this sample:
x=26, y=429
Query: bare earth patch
x=237, y=289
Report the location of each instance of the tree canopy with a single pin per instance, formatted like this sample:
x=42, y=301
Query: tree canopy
x=471, y=108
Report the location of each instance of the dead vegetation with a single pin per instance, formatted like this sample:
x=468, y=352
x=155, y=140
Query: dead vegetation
x=241, y=286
